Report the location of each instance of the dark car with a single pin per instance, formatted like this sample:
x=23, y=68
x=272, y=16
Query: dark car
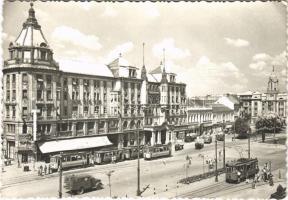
x=81, y=183
x=179, y=147
x=207, y=139
x=220, y=137
x=190, y=137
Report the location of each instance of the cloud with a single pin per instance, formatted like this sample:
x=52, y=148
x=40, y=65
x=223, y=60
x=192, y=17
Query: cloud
x=119, y=49
x=74, y=36
x=263, y=63
x=171, y=52
x=208, y=77
x=109, y=12
x=237, y=42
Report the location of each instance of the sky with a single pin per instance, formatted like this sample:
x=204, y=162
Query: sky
x=214, y=48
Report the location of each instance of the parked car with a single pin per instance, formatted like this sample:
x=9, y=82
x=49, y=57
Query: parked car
x=190, y=137
x=207, y=139
x=81, y=183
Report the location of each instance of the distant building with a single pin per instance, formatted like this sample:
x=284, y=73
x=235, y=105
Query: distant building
x=272, y=101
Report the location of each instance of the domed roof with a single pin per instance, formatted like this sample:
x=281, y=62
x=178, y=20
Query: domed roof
x=31, y=33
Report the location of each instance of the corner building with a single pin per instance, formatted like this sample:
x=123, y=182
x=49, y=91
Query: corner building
x=99, y=109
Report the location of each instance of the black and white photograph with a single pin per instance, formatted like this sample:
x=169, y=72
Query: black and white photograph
x=143, y=99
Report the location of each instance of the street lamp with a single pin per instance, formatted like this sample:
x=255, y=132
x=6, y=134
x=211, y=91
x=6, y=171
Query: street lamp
x=109, y=179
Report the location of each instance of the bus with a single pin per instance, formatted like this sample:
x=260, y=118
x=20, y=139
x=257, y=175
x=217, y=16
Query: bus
x=241, y=169
x=157, y=151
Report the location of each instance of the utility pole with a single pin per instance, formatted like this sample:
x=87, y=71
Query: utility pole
x=249, y=145
x=224, y=132
x=138, y=193
x=216, y=170
x=60, y=175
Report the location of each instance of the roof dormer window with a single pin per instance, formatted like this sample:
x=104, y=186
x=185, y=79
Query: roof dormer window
x=43, y=54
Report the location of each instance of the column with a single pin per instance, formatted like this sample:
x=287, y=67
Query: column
x=85, y=128
x=120, y=141
x=73, y=128
x=167, y=137
x=152, y=139
x=96, y=127
x=159, y=137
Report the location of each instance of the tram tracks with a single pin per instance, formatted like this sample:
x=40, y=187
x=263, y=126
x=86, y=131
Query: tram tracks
x=99, y=169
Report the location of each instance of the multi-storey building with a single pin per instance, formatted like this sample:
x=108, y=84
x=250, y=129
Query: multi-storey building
x=272, y=101
x=85, y=111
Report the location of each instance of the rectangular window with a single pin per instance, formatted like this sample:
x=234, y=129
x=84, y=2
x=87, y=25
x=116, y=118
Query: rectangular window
x=86, y=109
x=39, y=95
x=65, y=82
x=24, y=111
x=13, y=111
x=25, y=94
x=24, y=79
x=58, y=95
x=104, y=84
x=8, y=80
x=96, y=109
x=7, y=111
x=14, y=78
x=49, y=95
x=8, y=95
x=75, y=109
x=49, y=79
x=65, y=96
x=65, y=111
x=13, y=95
x=49, y=111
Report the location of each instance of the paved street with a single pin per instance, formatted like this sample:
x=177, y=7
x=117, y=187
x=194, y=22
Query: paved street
x=170, y=169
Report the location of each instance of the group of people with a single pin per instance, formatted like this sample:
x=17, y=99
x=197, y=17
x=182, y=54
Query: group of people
x=265, y=174
x=44, y=170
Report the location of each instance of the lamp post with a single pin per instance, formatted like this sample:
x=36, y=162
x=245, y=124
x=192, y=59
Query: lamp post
x=216, y=170
x=60, y=175
x=138, y=193
x=249, y=132
x=224, y=132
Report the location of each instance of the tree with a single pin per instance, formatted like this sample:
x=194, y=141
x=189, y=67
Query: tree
x=242, y=127
x=270, y=123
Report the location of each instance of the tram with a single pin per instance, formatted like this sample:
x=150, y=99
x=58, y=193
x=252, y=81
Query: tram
x=239, y=170
x=157, y=151
x=131, y=152
x=108, y=155
x=70, y=160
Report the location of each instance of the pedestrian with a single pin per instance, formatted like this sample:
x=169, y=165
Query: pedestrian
x=45, y=170
x=41, y=169
x=49, y=169
x=238, y=176
x=38, y=171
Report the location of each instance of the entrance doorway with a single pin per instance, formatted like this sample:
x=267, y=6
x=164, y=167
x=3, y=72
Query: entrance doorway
x=163, y=136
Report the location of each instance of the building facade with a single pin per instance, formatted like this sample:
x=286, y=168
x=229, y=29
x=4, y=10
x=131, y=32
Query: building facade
x=44, y=104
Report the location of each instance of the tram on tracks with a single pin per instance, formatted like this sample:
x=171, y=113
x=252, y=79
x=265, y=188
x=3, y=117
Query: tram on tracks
x=241, y=169
x=108, y=155
x=70, y=160
x=157, y=151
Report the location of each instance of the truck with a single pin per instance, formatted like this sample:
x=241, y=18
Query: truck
x=81, y=183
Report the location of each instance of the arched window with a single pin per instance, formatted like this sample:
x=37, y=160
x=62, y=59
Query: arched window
x=125, y=124
x=132, y=124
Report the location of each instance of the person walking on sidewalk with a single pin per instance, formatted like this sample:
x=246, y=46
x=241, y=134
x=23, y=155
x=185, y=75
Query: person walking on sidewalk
x=45, y=169
x=49, y=169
